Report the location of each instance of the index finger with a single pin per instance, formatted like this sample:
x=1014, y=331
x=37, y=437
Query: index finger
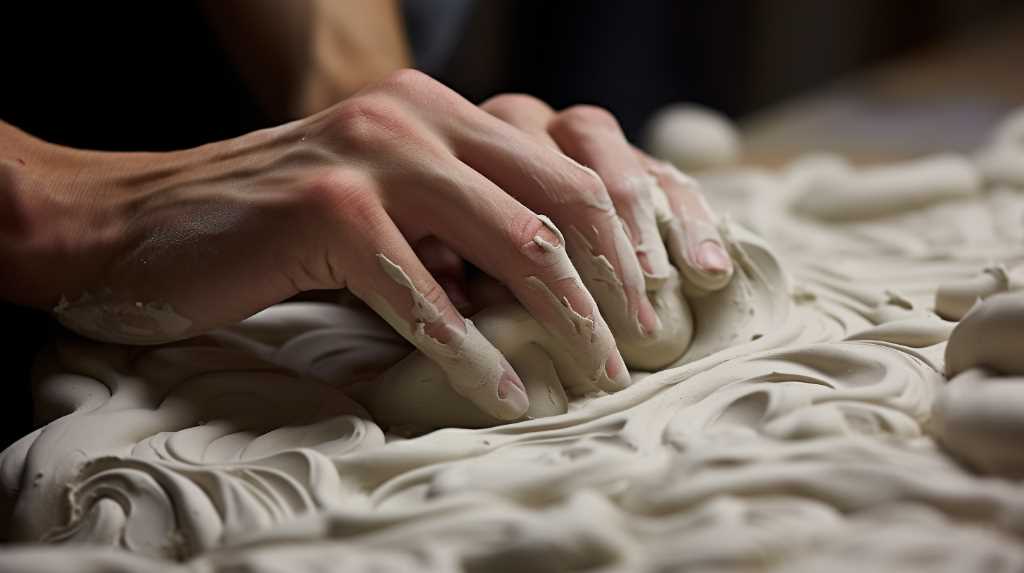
x=394, y=282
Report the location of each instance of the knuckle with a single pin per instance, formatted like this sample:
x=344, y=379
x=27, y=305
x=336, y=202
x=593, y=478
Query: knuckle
x=421, y=92
x=340, y=197
x=584, y=184
x=363, y=120
x=630, y=190
x=674, y=177
x=526, y=229
x=408, y=80
x=515, y=103
x=588, y=181
x=581, y=119
x=436, y=297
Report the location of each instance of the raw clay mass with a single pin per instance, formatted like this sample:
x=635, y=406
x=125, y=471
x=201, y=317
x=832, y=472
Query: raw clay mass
x=852, y=400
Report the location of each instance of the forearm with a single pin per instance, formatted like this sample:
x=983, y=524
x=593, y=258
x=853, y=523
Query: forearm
x=19, y=149
x=21, y=156
x=44, y=221
x=301, y=57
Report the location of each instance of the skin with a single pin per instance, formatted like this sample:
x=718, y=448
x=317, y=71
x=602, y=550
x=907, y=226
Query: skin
x=403, y=168
x=302, y=56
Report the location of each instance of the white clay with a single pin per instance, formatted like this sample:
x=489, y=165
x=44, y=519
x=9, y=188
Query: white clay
x=990, y=337
x=875, y=191
x=980, y=414
x=103, y=317
x=954, y=300
x=1001, y=162
x=978, y=417
x=693, y=137
x=474, y=368
x=804, y=420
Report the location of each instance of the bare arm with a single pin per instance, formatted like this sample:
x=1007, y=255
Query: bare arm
x=303, y=56
x=144, y=248
x=36, y=229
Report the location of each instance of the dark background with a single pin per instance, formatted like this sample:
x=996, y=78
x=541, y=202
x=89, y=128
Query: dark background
x=151, y=76
x=737, y=56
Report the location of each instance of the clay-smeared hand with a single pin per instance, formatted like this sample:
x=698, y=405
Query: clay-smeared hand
x=617, y=233
x=156, y=247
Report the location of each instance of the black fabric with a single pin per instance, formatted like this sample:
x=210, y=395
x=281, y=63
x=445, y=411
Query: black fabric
x=120, y=76
x=130, y=76
x=26, y=330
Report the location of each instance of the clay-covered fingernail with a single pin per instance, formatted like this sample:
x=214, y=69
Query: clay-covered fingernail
x=512, y=394
x=645, y=263
x=617, y=371
x=712, y=258
x=647, y=317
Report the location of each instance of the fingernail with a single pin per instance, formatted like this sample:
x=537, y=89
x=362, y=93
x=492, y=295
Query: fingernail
x=648, y=318
x=512, y=392
x=645, y=263
x=617, y=371
x=711, y=257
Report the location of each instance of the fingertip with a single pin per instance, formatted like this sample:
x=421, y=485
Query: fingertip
x=705, y=263
x=645, y=262
x=512, y=402
x=647, y=317
x=713, y=259
x=617, y=372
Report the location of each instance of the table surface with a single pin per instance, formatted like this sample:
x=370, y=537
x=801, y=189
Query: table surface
x=946, y=97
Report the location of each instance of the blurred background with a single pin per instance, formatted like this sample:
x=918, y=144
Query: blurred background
x=874, y=79
x=875, y=76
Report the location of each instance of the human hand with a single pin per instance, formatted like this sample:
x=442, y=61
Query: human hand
x=617, y=236
x=146, y=248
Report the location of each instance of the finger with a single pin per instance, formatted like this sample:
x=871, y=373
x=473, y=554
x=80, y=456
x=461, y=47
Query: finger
x=593, y=137
x=526, y=113
x=644, y=306
x=526, y=252
x=447, y=269
x=578, y=202
x=692, y=234
x=398, y=287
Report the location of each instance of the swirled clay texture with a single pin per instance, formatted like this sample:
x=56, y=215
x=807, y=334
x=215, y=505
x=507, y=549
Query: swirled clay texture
x=809, y=425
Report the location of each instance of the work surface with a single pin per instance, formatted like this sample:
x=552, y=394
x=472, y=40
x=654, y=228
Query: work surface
x=815, y=428
x=810, y=426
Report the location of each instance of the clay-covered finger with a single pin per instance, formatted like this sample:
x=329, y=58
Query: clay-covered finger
x=575, y=197
x=599, y=243
x=526, y=252
x=399, y=288
x=690, y=230
x=593, y=137
x=447, y=269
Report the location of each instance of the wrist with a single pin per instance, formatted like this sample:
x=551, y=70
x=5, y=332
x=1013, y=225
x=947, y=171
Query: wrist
x=44, y=230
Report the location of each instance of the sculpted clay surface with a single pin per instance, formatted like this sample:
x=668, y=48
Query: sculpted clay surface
x=822, y=412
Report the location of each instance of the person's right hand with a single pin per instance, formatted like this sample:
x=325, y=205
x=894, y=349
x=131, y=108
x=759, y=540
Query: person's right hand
x=146, y=248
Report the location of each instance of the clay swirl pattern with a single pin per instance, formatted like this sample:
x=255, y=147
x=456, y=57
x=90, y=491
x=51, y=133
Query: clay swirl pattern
x=810, y=425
